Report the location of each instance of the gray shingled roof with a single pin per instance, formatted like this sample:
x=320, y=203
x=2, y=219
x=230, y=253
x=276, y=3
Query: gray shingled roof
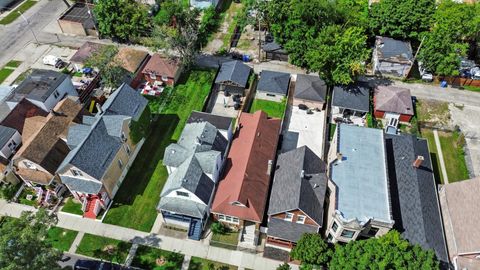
x=290, y=191
x=274, y=82
x=182, y=206
x=6, y=134
x=390, y=49
x=220, y=122
x=235, y=72
x=287, y=230
x=273, y=47
x=355, y=97
x=82, y=185
x=39, y=85
x=393, y=99
x=76, y=134
x=414, y=194
x=310, y=87
x=125, y=101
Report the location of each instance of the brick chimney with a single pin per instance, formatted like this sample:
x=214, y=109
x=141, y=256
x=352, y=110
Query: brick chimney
x=418, y=162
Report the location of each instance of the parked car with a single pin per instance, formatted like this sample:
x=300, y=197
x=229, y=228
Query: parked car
x=424, y=73
x=475, y=73
x=95, y=265
x=50, y=60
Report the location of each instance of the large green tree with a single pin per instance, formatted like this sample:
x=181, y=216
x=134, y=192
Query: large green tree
x=456, y=26
x=387, y=252
x=124, y=20
x=311, y=250
x=401, y=18
x=111, y=69
x=22, y=244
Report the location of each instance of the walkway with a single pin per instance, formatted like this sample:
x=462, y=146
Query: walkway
x=76, y=242
x=440, y=156
x=186, y=247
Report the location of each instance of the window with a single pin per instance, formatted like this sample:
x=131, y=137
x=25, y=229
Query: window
x=56, y=94
x=124, y=138
x=153, y=76
x=164, y=78
x=235, y=220
x=288, y=216
x=228, y=218
x=328, y=192
x=76, y=172
x=334, y=226
x=181, y=193
x=301, y=219
x=270, y=95
x=127, y=149
x=373, y=231
x=347, y=234
x=330, y=237
x=221, y=217
x=29, y=165
x=120, y=164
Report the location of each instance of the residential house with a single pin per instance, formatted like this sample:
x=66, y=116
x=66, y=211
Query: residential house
x=310, y=91
x=460, y=203
x=297, y=197
x=203, y=4
x=24, y=118
x=84, y=52
x=194, y=164
x=413, y=193
x=359, y=203
x=223, y=124
x=350, y=103
x=42, y=153
x=5, y=91
x=78, y=20
x=133, y=61
x=393, y=102
x=10, y=140
x=233, y=77
x=274, y=51
x=44, y=88
x=102, y=151
x=241, y=198
x=273, y=85
x=392, y=57
x=162, y=70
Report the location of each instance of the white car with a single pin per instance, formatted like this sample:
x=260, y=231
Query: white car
x=50, y=60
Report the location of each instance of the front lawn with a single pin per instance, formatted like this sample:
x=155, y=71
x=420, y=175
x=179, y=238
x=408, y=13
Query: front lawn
x=157, y=259
x=272, y=108
x=134, y=206
x=227, y=240
x=61, y=239
x=14, y=14
x=197, y=263
x=13, y=64
x=104, y=248
x=23, y=197
x=72, y=207
x=454, y=156
x=428, y=134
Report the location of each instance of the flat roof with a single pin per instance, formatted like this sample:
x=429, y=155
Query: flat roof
x=79, y=13
x=39, y=85
x=361, y=176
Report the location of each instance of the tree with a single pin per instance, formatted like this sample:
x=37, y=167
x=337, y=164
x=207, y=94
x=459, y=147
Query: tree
x=110, y=67
x=181, y=38
x=387, y=252
x=338, y=54
x=124, y=20
x=219, y=228
x=404, y=19
x=284, y=266
x=22, y=244
x=311, y=249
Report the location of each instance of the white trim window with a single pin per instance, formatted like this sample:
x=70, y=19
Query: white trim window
x=301, y=219
x=288, y=216
x=76, y=172
x=228, y=219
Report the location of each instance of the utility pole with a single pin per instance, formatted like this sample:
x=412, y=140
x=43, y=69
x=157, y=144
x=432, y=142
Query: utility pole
x=415, y=56
x=29, y=27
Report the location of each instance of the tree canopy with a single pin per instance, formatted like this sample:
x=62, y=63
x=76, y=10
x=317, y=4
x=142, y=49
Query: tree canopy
x=311, y=249
x=110, y=67
x=22, y=244
x=124, y=20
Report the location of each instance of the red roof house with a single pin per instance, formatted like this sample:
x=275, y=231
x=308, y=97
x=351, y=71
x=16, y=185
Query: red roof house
x=242, y=193
x=393, y=101
x=160, y=69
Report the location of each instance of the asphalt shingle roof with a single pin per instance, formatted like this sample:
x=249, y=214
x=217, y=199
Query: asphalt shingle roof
x=415, y=203
x=6, y=134
x=355, y=97
x=291, y=191
x=287, y=230
x=39, y=85
x=218, y=121
x=273, y=82
x=235, y=72
x=393, y=50
x=393, y=99
x=125, y=101
x=310, y=87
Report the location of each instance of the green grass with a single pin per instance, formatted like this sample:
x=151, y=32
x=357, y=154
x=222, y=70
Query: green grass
x=332, y=127
x=135, y=204
x=4, y=73
x=146, y=257
x=13, y=15
x=428, y=134
x=454, y=156
x=61, y=239
x=72, y=207
x=272, y=108
x=23, y=197
x=472, y=88
x=228, y=240
x=204, y=264
x=232, y=16
x=104, y=248
x=13, y=64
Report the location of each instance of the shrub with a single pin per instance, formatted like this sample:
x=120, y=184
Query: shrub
x=219, y=228
x=284, y=266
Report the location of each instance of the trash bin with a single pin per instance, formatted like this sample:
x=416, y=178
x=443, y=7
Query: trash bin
x=444, y=84
x=246, y=58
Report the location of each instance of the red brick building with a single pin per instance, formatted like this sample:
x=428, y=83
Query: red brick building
x=391, y=101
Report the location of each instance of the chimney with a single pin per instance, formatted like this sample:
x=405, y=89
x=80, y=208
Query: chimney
x=99, y=108
x=418, y=162
x=339, y=157
x=302, y=174
x=269, y=167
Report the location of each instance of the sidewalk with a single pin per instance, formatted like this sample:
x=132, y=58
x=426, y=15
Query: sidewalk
x=186, y=247
x=440, y=156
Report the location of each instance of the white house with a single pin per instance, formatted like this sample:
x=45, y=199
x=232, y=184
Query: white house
x=10, y=140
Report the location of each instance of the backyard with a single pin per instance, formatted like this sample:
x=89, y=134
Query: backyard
x=134, y=205
x=272, y=108
x=17, y=12
x=104, y=248
x=157, y=259
x=197, y=263
x=61, y=239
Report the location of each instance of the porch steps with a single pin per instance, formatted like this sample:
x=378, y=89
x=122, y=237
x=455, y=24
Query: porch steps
x=195, y=230
x=89, y=211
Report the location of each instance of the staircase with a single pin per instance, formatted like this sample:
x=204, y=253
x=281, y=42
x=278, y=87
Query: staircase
x=195, y=229
x=90, y=209
x=248, y=235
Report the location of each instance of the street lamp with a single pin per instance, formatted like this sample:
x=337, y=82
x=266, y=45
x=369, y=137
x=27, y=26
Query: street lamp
x=28, y=23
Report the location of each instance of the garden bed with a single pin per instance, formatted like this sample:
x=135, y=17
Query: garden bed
x=154, y=258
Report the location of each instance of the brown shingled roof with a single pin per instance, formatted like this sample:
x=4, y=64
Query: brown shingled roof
x=393, y=99
x=85, y=51
x=246, y=180
x=161, y=66
x=24, y=110
x=131, y=59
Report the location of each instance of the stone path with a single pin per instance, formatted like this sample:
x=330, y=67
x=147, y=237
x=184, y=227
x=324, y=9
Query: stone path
x=131, y=255
x=186, y=262
x=76, y=242
x=440, y=157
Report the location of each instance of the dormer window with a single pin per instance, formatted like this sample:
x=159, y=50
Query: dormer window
x=76, y=172
x=165, y=78
x=153, y=76
x=182, y=194
x=301, y=219
x=288, y=216
x=29, y=165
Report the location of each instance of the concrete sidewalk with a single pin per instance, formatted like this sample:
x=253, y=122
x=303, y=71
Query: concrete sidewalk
x=186, y=247
x=440, y=156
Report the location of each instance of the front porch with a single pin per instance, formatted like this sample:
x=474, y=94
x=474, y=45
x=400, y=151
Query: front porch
x=348, y=116
x=193, y=226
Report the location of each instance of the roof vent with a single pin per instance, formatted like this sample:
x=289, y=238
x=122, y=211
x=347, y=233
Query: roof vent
x=315, y=185
x=173, y=151
x=52, y=78
x=302, y=174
